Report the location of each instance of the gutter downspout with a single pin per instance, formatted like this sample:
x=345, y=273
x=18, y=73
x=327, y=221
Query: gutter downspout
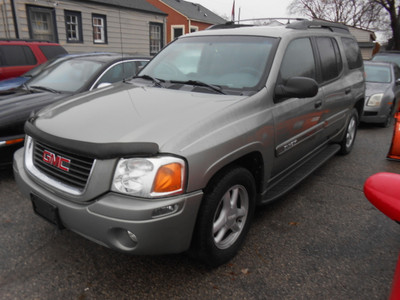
x=14, y=12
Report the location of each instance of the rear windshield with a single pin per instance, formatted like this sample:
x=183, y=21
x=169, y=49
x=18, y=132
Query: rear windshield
x=16, y=55
x=229, y=62
x=388, y=58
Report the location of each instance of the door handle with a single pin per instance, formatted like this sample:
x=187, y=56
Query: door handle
x=318, y=104
x=347, y=91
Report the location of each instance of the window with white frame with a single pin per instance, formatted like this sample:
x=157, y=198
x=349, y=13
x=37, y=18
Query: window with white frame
x=73, y=26
x=156, y=38
x=177, y=31
x=194, y=28
x=99, y=29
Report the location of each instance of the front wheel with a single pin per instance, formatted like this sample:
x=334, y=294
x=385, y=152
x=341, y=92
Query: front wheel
x=224, y=217
x=347, y=143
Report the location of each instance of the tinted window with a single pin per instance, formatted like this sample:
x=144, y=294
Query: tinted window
x=13, y=55
x=352, y=52
x=298, y=60
x=52, y=51
x=331, y=62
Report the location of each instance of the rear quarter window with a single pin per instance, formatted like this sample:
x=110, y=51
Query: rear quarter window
x=353, y=54
x=16, y=55
x=331, y=61
x=51, y=51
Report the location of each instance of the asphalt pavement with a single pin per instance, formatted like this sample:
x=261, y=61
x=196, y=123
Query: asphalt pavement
x=323, y=240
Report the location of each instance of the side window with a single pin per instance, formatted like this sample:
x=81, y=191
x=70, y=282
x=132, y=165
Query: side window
x=331, y=61
x=52, y=51
x=11, y=55
x=298, y=60
x=119, y=72
x=353, y=55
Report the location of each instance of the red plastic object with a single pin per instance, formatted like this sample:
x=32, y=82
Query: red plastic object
x=394, y=152
x=383, y=191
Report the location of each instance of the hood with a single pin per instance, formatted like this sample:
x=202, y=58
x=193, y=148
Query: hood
x=123, y=115
x=15, y=109
x=372, y=88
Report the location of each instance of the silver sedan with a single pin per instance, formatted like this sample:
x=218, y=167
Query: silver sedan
x=382, y=92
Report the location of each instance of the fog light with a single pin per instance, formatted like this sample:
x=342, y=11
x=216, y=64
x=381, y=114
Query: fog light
x=165, y=210
x=132, y=236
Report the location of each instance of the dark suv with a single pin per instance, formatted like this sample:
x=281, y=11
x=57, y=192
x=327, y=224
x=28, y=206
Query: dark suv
x=178, y=158
x=19, y=56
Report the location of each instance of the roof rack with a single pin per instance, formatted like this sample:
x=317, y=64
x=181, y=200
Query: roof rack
x=293, y=23
x=307, y=24
x=253, y=22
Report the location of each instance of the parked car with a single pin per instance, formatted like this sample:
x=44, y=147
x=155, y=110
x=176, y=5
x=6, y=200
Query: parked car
x=178, y=159
x=70, y=75
x=19, y=56
x=388, y=56
x=382, y=92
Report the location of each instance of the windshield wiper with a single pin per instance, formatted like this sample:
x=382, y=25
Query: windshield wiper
x=201, y=83
x=157, y=82
x=43, y=88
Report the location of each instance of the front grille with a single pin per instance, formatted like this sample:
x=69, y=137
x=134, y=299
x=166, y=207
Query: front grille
x=70, y=169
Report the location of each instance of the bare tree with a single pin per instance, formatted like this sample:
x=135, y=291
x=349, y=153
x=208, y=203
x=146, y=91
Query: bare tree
x=393, y=9
x=358, y=13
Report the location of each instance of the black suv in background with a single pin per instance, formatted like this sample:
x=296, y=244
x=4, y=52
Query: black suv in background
x=18, y=56
x=179, y=157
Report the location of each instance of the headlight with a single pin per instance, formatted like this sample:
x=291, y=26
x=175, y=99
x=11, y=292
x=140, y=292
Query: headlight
x=150, y=177
x=375, y=100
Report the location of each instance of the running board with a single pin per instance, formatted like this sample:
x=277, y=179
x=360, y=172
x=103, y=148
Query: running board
x=286, y=183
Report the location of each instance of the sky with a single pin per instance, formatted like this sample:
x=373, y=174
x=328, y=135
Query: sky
x=249, y=9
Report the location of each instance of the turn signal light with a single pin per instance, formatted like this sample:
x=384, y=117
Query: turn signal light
x=169, y=178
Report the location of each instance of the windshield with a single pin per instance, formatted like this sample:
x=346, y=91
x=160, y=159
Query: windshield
x=379, y=74
x=67, y=76
x=229, y=62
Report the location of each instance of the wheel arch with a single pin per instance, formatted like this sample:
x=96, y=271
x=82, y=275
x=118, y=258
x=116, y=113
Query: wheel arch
x=253, y=162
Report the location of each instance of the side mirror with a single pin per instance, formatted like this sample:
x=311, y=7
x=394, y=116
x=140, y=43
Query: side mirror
x=397, y=81
x=297, y=87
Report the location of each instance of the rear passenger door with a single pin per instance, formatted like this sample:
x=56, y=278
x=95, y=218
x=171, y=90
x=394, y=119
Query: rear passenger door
x=337, y=91
x=298, y=122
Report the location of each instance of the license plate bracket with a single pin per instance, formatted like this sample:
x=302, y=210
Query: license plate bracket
x=46, y=210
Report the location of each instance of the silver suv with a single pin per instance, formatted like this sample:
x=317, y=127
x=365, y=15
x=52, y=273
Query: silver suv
x=178, y=158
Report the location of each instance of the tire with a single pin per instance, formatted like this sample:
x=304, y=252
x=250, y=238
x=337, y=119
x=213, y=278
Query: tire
x=224, y=217
x=389, y=118
x=346, y=145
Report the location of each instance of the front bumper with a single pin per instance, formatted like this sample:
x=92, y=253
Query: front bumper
x=375, y=115
x=120, y=222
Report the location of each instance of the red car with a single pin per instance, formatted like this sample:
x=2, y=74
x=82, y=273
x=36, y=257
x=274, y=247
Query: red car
x=19, y=56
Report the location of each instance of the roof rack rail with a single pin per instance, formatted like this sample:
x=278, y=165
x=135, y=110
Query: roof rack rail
x=253, y=22
x=293, y=23
x=307, y=24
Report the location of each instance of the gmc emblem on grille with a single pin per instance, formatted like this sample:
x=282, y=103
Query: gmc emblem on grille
x=56, y=160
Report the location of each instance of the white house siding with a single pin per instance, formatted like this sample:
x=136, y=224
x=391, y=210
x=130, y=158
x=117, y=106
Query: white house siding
x=127, y=30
